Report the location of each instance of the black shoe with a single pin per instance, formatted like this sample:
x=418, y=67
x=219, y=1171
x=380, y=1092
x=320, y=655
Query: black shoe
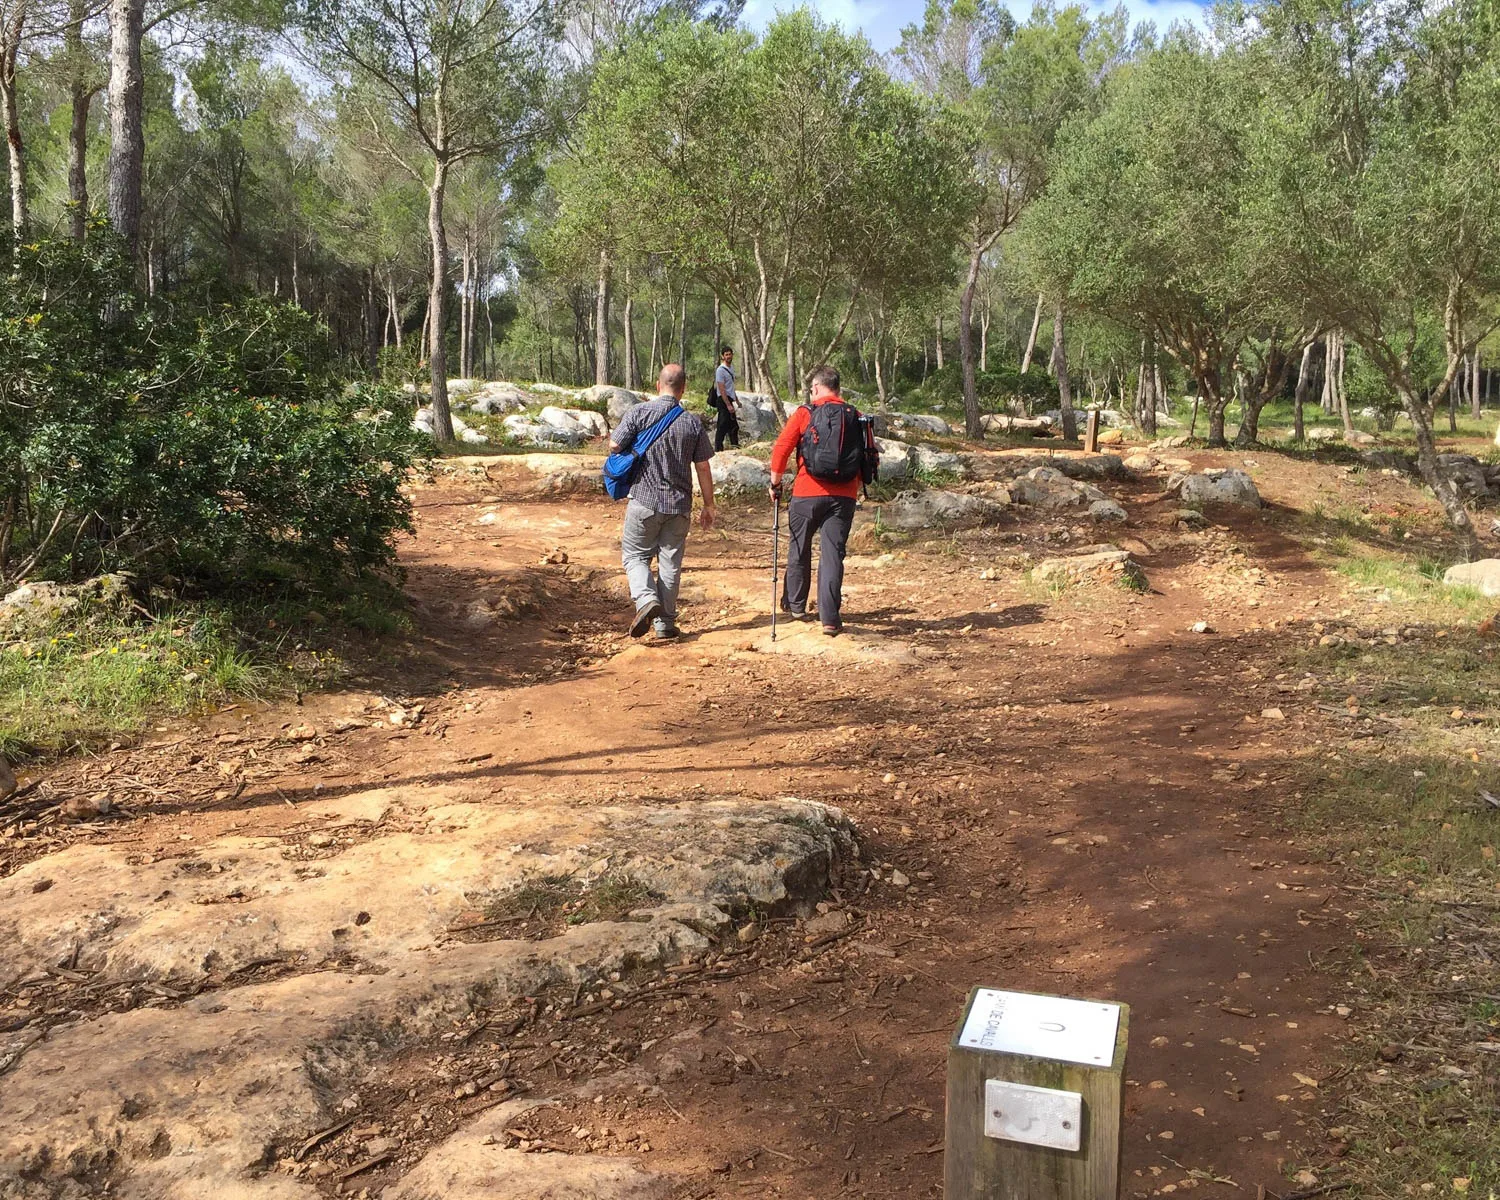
x=833, y=630
x=643, y=618
x=796, y=614
x=665, y=630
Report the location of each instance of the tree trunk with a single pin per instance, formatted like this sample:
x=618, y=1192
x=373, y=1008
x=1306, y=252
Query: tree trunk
x=1432, y=471
x=1326, y=399
x=127, y=141
x=81, y=98
x=1146, y=392
x=601, y=321
x=718, y=331
x=1216, y=407
x=984, y=336
x=1250, y=406
x=632, y=367
x=78, y=151
x=1304, y=382
x=373, y=322
x=1453, y=406
x=682, y=346
x=1341, y=396
x=10, y=52
x=489, y=341
x=791, y=347
x=395, y=308
x=1060, y=369
x=655, y=366
x=1036, y=324
x=465, y=306
x=939, y=335
x=437, y=305
x=1474, y=409
x=972, y=426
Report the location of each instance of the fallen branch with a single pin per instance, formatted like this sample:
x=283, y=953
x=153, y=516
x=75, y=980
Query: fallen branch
x=320, y=1137
x=1318, y=1191
x=374, y=1160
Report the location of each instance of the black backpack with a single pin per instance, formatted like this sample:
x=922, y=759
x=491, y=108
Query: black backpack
x=833, y=447
x=714, y=399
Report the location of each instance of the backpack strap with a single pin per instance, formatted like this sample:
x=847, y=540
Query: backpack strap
x=655, y=430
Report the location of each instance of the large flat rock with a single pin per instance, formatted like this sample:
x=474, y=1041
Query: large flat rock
x=192, y=1098
x=473, y=1165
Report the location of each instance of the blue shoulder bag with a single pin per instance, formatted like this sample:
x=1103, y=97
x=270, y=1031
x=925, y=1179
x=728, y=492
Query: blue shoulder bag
x=620, y=468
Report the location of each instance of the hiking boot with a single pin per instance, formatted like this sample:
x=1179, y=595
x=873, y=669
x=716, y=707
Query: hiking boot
x=796, y=614
x=644, y=615
x=665, y=630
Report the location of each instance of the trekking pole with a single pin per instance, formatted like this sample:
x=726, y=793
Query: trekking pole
x=775, y=546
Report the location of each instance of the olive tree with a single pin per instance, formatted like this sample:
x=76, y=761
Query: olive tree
x=1146, y=220
x=1378, y=158
x=439, y=83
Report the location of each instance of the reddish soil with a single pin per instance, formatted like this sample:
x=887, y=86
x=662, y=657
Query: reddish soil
x=1086, y=797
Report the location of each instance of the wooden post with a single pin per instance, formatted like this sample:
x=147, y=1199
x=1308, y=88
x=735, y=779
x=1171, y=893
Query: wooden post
x=1091, y=433
x=1035, y=1095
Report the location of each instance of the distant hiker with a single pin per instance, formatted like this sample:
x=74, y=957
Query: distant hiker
x=835, y=453
x=726, y=401
x=659, y=514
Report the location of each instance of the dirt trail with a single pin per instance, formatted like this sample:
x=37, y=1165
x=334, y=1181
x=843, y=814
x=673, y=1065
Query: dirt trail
x=1081, y=795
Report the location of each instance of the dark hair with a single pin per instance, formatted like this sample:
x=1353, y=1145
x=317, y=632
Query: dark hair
x=725, y=350
x=827, y=376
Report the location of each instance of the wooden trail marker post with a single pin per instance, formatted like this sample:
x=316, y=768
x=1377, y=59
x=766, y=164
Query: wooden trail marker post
x=1091, y=433
x=1035, y=1094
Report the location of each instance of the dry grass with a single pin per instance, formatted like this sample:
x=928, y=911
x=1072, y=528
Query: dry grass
x=549, y=902
x=1397, y=798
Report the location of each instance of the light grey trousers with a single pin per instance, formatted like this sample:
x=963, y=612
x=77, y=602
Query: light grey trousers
x=649, y=534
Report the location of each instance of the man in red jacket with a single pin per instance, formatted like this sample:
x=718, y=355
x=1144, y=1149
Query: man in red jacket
x=817, y=506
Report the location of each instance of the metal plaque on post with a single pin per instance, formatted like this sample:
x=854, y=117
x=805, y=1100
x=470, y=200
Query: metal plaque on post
x=1035, y=1095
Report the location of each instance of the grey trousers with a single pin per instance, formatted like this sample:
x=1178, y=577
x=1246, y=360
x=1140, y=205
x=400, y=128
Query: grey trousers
x=831, y=517
x=649, y=534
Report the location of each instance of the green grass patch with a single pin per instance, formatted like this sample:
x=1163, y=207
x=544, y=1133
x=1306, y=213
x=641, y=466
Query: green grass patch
x=88, y=681
x=1413, y=583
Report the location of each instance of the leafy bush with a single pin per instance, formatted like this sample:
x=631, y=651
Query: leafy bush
x=216, y=443
x=997, y=389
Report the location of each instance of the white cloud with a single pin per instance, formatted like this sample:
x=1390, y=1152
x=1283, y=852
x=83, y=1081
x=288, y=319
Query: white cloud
x=882, y=20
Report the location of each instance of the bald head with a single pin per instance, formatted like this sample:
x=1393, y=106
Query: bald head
x=672, y=381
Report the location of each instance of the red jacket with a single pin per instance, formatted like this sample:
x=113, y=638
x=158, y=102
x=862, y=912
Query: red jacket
x=786, y=446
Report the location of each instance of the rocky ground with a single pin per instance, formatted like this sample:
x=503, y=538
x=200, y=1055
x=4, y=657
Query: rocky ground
x=531, y=910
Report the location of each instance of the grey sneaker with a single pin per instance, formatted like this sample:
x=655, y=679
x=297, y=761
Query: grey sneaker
x=644, y=615
x=665, y=630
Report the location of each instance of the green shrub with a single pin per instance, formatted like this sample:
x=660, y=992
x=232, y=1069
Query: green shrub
x=997, y=389
x=216, y=443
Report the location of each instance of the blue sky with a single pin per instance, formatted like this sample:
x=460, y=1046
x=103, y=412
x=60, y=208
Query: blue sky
x=882, y=20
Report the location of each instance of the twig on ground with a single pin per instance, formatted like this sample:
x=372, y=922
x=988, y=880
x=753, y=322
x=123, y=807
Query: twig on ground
x=321, y=1136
